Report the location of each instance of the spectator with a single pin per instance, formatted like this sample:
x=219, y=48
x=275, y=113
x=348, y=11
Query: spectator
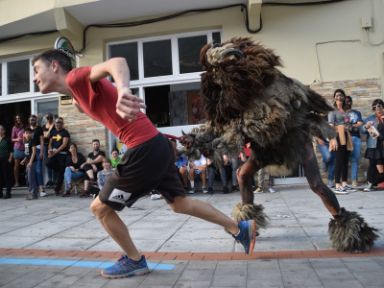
x=105, y=173
x=73, y=172
x=340, y=120
x=198, y=168
x=38, y=139
x=261, y=182
x=5, y=164
x=30, y=162
x=115, y=158
x=228, y=173
x=57, y=152
x=355, y=122
x=18, y=147
x=92, y=166
x=182, y=167
x=211, y=173
x=374, y=126
x=47, y=128
x=328, y=158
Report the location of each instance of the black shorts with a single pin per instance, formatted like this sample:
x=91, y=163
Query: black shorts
x=148, y=166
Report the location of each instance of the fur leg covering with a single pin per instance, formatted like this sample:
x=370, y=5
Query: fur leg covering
x=250, y=211
x=350, y=233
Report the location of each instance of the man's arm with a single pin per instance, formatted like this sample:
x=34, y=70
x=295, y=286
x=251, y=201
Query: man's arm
x=62, y=146
x=128, y=105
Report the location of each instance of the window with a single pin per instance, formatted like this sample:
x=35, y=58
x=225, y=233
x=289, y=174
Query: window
x=157, y=58
x=189, y=53
x=18, y=76
x=43, y=107
x=16, y=79
x=165, y=71
x=129, y=52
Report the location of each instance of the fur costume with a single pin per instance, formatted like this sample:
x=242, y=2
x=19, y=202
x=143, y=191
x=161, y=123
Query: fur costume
x=247, y=99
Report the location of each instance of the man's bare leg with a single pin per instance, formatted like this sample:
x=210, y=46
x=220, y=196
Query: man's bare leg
x=115, y=227
x=204, y=211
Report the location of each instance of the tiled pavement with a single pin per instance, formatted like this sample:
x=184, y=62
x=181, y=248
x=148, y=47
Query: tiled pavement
x=56, y=242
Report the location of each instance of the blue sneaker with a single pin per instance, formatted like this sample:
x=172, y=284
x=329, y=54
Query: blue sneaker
x=247, y=235
x=126, y=267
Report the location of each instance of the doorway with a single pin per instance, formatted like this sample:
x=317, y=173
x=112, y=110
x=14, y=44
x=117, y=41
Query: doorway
x=8, y=112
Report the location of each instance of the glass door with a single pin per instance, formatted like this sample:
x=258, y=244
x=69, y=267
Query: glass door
x=45, y=106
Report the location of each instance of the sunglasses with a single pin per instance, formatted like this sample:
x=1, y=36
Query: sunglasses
x=378, y=105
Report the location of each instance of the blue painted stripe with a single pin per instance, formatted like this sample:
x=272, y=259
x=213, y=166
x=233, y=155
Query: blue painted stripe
x=73, y=263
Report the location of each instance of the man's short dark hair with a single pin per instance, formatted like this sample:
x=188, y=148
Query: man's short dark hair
x=28, y=130
x=96, y=140
x=55, y=55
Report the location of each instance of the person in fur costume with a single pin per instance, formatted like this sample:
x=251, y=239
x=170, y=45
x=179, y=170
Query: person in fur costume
x=247, y=99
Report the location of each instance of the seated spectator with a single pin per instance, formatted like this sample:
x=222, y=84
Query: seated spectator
x=228, y=173
x=198, y=168
x=73, y=172
x=57, y=152
x=115, y=158
x=211, y=171
x=30, y=162
x=104, y=174
x=92, y=166
x=182, y=167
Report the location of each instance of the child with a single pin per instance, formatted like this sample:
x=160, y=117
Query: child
x=102, y=175
x=30, y=162
x=115, y=158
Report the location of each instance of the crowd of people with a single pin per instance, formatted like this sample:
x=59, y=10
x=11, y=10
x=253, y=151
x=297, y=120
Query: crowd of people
x=350, y=127
x=48, y=159
x=46, y=152
x=202, y=173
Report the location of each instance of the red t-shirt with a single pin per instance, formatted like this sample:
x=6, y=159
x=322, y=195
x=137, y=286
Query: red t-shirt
x=98, y=100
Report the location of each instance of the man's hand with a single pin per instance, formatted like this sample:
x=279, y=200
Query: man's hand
x=186, y=140
x=128, y=105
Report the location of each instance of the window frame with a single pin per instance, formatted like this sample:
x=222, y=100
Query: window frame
x=176, y=77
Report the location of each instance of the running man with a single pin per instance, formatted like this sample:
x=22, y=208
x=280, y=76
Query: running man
x=148, y=163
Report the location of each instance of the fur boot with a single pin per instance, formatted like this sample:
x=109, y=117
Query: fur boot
x=350, y=233
x=250, y=211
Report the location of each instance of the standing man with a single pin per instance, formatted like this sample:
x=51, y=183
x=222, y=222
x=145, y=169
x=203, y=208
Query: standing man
x=355, y=121
x=38, y=141
x=57, y=152
x=148, y=163
x=5, y=164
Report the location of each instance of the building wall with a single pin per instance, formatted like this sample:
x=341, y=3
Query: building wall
x=321, y=45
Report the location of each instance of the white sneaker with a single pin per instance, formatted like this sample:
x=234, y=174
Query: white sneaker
x=271, y=190
x=205, y=190
x=156, y=196
x=43, y=194
x=258, y=190
x=340, y=191
x=191, y=191
x=330, y=184
x=368, y=188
